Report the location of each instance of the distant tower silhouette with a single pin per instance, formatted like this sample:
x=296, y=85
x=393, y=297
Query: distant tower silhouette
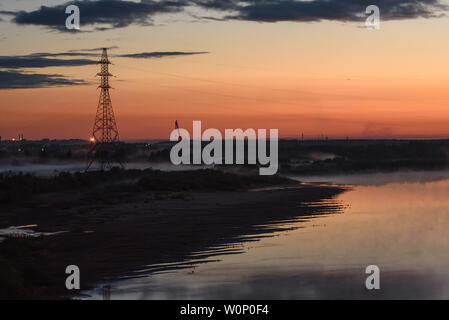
x=179, y=131
x=105, y=136
x=105, y=127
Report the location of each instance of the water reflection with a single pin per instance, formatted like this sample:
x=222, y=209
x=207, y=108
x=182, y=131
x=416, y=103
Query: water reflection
x=378, y=178
x=305, y=284
x=401, y=226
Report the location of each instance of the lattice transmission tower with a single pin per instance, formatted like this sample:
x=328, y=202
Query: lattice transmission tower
x=105, y=135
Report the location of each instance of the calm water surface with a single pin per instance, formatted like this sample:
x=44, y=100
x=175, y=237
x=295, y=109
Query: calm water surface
x=399, y=222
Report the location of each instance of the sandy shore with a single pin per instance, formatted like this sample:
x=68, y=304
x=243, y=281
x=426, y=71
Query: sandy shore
x=135, y=230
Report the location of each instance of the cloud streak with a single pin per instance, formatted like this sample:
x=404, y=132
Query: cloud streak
x=22, y=80
x=94, y=49
x=13, y=77
x=336, y=10
x=107, y=14
x=46, y=59
x=149, y=55
x=39, y=61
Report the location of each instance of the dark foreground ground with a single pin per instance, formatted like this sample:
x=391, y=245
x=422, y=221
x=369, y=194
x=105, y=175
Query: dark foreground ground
x=122, y=221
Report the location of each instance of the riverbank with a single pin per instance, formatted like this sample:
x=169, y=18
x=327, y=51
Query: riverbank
x=142, y=223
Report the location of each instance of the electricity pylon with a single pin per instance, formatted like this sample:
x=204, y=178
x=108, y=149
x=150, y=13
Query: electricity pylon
x=105, y=136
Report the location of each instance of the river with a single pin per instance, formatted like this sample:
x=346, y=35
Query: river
x=398, y=222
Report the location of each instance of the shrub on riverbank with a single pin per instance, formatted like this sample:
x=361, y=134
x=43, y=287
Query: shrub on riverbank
x=15, y=188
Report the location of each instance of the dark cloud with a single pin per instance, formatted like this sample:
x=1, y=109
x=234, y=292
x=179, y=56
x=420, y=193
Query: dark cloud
x=94, y=52
x=218, y=4
x=94, y=49
x=109, y=13
x=147, y=55
x=51, y=59
x=63, y=54
x=12, y=77
x=39, y=60
x=8, y=13
x=339, y=10
x=22, y=80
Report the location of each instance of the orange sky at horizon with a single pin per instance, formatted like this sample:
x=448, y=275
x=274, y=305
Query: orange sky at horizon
x=325, y=78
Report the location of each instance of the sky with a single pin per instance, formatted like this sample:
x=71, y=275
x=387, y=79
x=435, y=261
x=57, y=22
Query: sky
x=308, y=67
